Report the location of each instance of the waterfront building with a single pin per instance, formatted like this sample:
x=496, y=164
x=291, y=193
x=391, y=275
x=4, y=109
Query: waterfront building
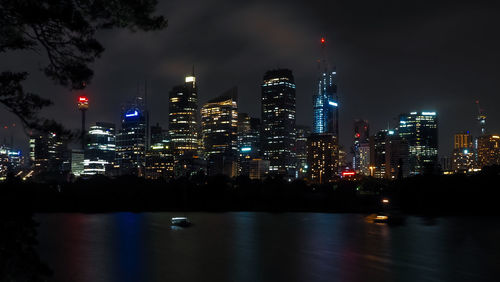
x=488, y=150
x=361, y=136
x=219, y=121
x=100, y=148
x=248, y=142
x=47, y=153
x=397, y=159
x=159, y=162
x=183, y=118
x=302, y=133
x=464, y=154
x=322, y=158
x=420, y=130
x=278, y=122
x=131, y=139
x=11, y=161
x=258, y=169
x=364, y=158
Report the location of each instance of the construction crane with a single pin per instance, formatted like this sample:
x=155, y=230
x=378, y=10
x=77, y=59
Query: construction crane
x=481, y=117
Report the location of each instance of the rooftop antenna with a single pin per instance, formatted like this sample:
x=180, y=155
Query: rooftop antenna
x=481, y=117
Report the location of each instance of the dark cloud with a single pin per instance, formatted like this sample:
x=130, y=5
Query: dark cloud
x=391, y=57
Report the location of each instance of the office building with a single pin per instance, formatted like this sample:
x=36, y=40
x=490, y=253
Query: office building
x=420, y=130
x=248, y=142
x=322, y=158
x=48, y=152
x=183, y=118
x=464, y=154
x=361, y=136
x=219, y=121
x=488, y=150
x=302, y=133
x=131, y=139
x=278, y=122
x=397, y=159
x=100, y=150
x=159, y=162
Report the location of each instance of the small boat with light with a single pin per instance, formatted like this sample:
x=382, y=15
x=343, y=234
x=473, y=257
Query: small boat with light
x=381, y=218
x=181, y=221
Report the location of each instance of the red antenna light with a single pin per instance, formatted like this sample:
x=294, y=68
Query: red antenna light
x=322, y=40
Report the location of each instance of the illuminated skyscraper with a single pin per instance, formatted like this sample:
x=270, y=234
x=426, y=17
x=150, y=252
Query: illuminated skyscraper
x=377, y=153
x=303, y=132
x=219, y=121
x=248, y=142
x=325, y=102
x=488, y=150
x=464, y=155
x=278, y=122
x=397, y=159
x=131, y=139
x=101, y=148
x=361, y=136
x=183, y=118
x=322, y=158
x=48, y=152
x=421, y=132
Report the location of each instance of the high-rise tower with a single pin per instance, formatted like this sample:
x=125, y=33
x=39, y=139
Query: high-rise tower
x=278, y=122
x=325, y=101
x=183, y=118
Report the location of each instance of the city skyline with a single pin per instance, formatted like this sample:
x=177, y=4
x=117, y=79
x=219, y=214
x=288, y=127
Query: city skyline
x=425, y=83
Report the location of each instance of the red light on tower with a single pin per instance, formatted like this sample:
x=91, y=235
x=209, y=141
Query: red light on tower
x=83, y=103
x=323, y=40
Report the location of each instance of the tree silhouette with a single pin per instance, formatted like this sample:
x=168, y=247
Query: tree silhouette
x=64, y=32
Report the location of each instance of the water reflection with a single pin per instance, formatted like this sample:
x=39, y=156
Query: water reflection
x=267, y=247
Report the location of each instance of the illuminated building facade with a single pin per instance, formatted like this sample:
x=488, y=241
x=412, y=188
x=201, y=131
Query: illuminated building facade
x=488, y=150
x=100, y=150
x=183, y=118
x=463, y=156
x=248, y=142
x=322, y=158
x=325, y=102
x=302, y=133
x=397, y=158
x=131, y=139
x=11, y=161
x=364, y=158
x=219, y=121
x=47, y=153
x=278, y=122
x=258, y=169
x=159, y=162
x=377, y=153
x=361, y=136
x=421, y=132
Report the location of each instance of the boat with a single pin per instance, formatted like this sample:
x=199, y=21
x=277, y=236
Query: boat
x=181, y=221
x=381, y=218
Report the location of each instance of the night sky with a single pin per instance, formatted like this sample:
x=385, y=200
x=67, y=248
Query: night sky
x=390, y=57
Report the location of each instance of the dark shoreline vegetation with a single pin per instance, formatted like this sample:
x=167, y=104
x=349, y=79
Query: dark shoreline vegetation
x=425, y=194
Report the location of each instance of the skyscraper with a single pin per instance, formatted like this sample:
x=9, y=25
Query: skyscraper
x=183, y=118
x=248, y=142
x=361, y=136
x=131, y=139
x=421, y=132
x=303, y=132
x=278, y=122
x=48, y=152
x=396, y=156
x=464, y=156
x=219, y=120
x=377, y=153
x=322, y=158
x=100, y=149
x=325, y=101
x=488, y=150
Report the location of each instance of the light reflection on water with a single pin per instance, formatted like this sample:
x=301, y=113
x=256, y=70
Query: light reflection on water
x=249, y=246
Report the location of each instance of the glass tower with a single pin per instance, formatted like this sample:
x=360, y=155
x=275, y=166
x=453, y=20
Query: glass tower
x=421, y=132
x=278, y=122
